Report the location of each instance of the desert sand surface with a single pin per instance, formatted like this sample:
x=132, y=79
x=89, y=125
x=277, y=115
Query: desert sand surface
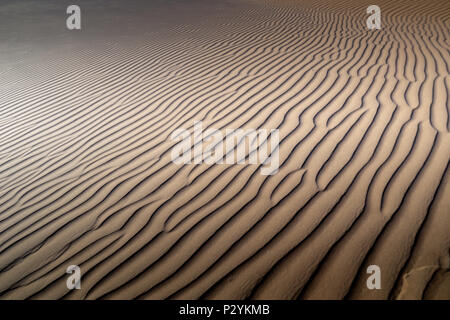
x=87, y=178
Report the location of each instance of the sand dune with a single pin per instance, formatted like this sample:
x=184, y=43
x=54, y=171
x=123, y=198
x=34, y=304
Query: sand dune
x=87, y=178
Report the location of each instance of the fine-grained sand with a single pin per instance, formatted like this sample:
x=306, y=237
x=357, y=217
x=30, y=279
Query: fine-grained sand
x=86, y=176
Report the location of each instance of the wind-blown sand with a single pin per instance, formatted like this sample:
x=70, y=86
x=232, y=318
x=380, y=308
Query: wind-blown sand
x=86, y=176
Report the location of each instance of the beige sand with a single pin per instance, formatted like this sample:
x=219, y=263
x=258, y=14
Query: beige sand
x=86, y=176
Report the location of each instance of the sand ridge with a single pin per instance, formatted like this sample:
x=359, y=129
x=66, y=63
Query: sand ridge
x=87, y=178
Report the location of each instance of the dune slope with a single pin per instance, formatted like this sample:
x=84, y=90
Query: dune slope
x=87, y=178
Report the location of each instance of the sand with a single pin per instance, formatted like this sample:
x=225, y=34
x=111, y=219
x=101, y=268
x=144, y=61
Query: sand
x=87, y=179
